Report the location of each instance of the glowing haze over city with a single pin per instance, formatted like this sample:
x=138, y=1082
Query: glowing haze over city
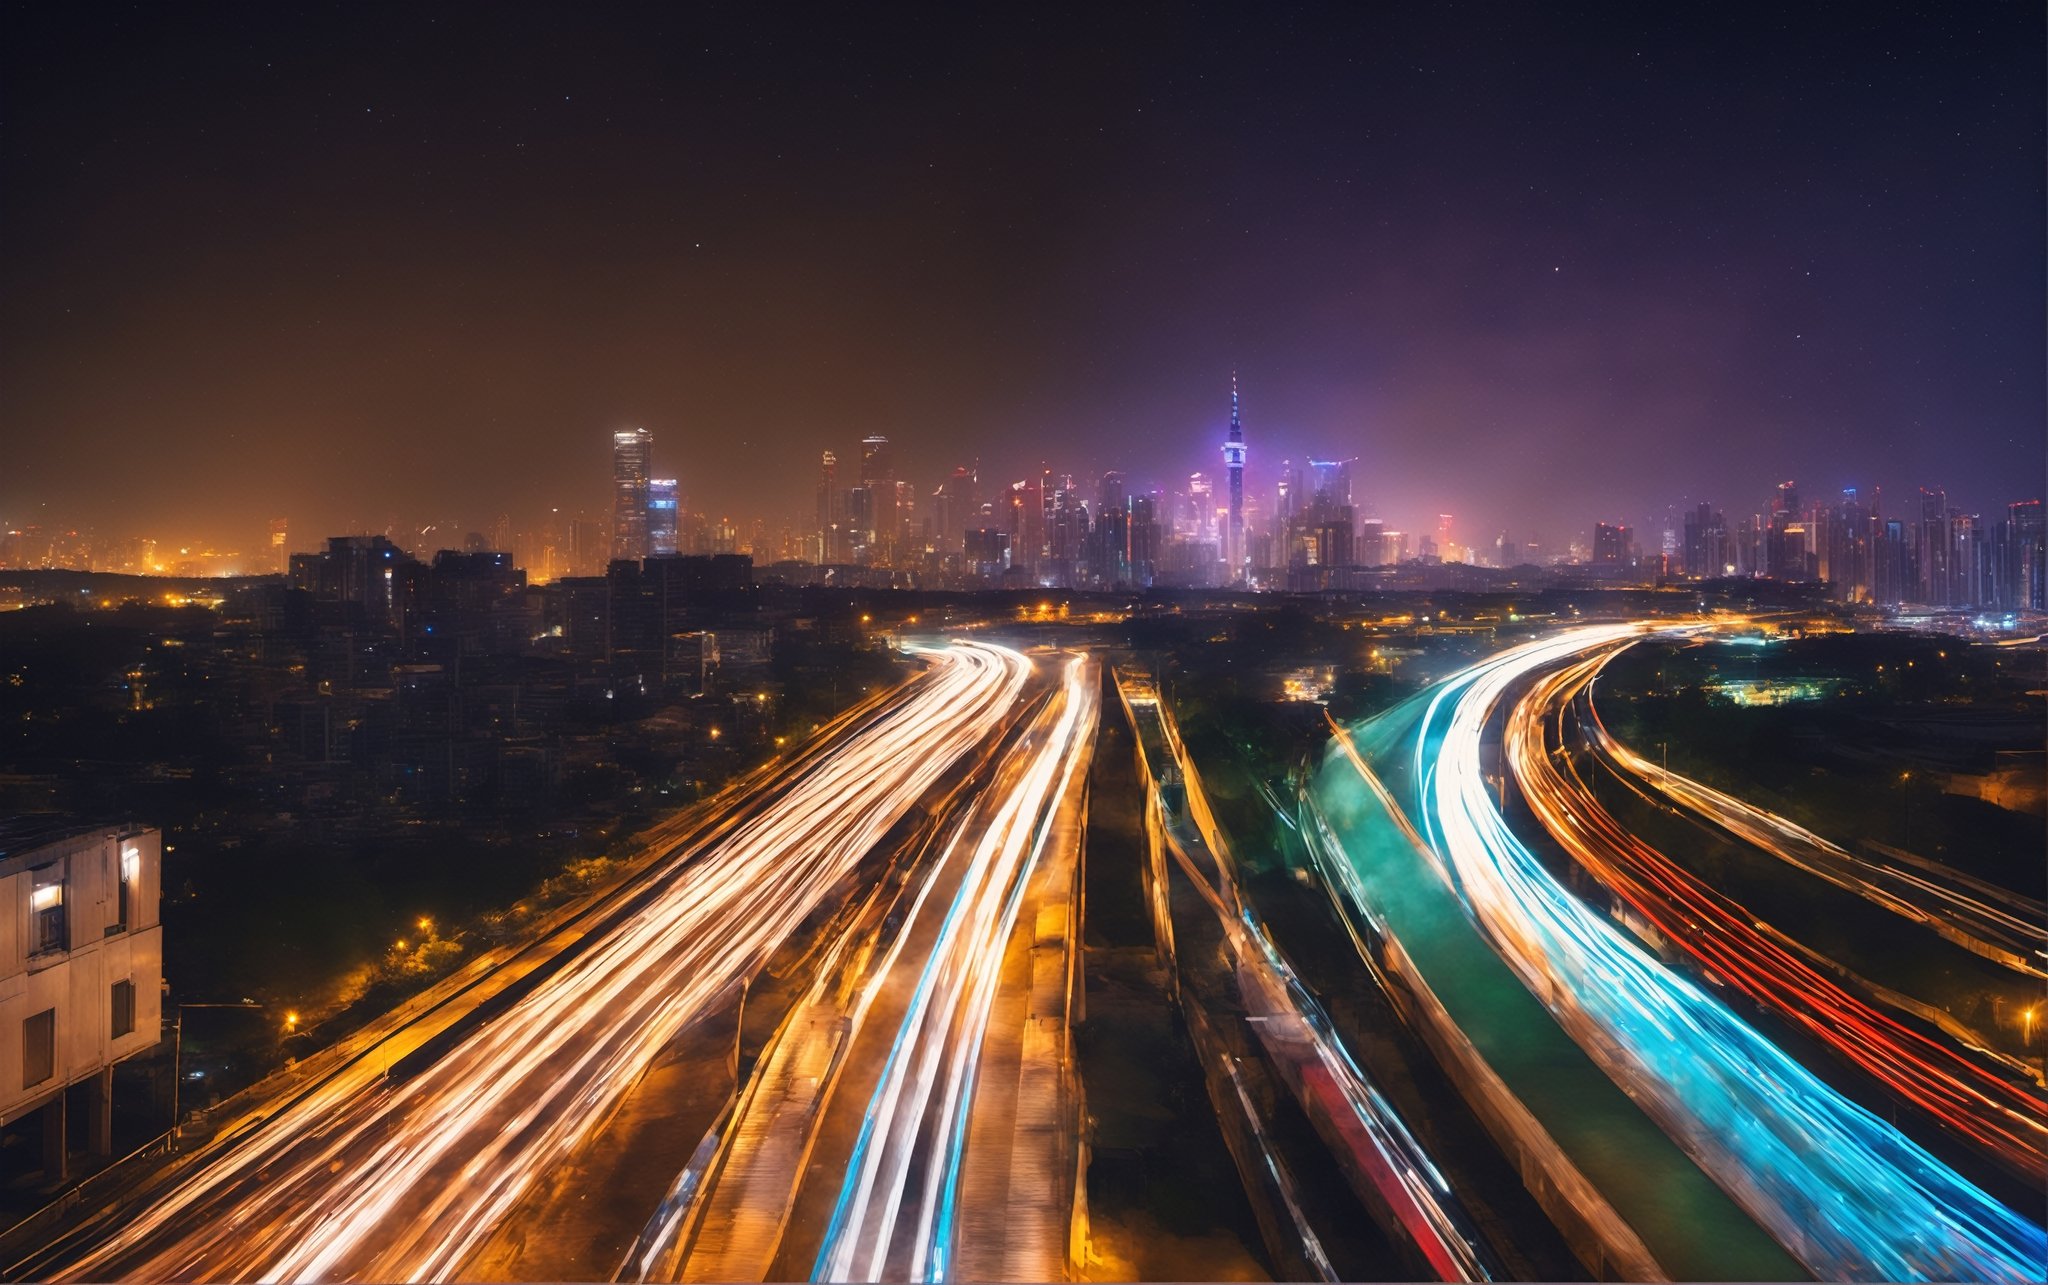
x=704, y=642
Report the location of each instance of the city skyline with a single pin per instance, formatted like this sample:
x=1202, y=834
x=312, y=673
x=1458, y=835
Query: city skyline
x=565, y=539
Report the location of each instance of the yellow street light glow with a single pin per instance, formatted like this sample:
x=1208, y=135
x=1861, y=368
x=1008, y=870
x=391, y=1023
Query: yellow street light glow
x=426, y=923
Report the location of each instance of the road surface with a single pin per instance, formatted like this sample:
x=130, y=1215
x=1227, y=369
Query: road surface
x=379, y=1179
x=1847, y=1194
x=1964, y=1096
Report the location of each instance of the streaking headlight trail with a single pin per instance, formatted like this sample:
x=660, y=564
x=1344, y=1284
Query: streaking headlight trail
x=1850, y=1196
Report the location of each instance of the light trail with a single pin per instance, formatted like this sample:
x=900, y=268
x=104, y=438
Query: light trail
x=1969, y=1099
x=897, y=1209
x=1994, y=922
x=1387, y=1166
x=368, y=1179
x=1845, y=1193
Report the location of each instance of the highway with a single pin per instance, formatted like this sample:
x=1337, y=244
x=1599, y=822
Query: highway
x=1994, y=922
x=898, y=1209
x=374, y=1177
x=1393, y=1175
x=1964, y=1096
x=1847, y=1194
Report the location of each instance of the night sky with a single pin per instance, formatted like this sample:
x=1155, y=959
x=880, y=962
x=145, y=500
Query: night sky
x=1534, y=265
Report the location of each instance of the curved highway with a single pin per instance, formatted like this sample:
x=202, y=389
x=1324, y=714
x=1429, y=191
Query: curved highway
x=373, y=1179
x=1847, y=1194
x=1994, y=922
x=1964, y=1096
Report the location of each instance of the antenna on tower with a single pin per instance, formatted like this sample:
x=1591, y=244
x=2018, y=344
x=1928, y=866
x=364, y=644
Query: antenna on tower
x=1233, y=398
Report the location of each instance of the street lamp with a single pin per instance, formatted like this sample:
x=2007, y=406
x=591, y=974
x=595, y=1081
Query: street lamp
x=178, y=1055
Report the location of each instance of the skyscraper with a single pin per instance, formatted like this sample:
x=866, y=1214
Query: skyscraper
x=2023, y=541
x=661, y=516
x=1708, y=552
x=1932, y=547
x=831, y=512
x=280, y=547
x=632, y=458
x=1233, y=463
x=878, y=520
x=1611, y=543
x=1112, y=535
x=1143, y=538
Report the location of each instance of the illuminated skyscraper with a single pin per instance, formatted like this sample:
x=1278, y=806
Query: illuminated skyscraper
x=1612, y=544
x=661, y=516
x=1932, y=546
x=1707, y=549
x=632, y=458
x=831, y=545
x=1330, y=482
x=280, y=547
x=1368, y=543
x=878, y=520
x=1143, y=539
x=955, y=508
x=1112, y=534
x=1233, y=463
x=2022, y=551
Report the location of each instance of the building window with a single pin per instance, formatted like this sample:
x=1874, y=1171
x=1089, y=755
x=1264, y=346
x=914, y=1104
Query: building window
x=124, y=889
x=46, y=910
x=124, y=1009
x=38, y=1048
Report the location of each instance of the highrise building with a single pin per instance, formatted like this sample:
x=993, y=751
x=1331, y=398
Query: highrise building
x=831, y=513
x=1369, y=545
x=662, y=516
x=1849, y=548
x=1969, y=560
x=1892, y=570
x=1109, y=492
x=632, y=460
x=1111, y=556
x=280, y=547
x=1785, y=538
x=1611, y=543
x=586, y=547
x=878, y=520
x=1931, y=548
x=1144, y=539
x=2021, y=557
x=1707, y=550
x=955, y=506
x=1330, y=482
x=1233, y=464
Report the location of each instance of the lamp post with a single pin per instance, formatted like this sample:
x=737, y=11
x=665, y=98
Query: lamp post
x=178, y=1056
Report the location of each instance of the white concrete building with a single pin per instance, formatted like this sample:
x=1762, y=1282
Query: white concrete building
x=81, y=968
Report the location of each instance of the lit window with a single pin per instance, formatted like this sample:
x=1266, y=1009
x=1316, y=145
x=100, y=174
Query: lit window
x=131, y=875
x=46, y=910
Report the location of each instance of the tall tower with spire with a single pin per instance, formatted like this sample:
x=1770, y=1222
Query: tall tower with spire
x=1233, y=463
